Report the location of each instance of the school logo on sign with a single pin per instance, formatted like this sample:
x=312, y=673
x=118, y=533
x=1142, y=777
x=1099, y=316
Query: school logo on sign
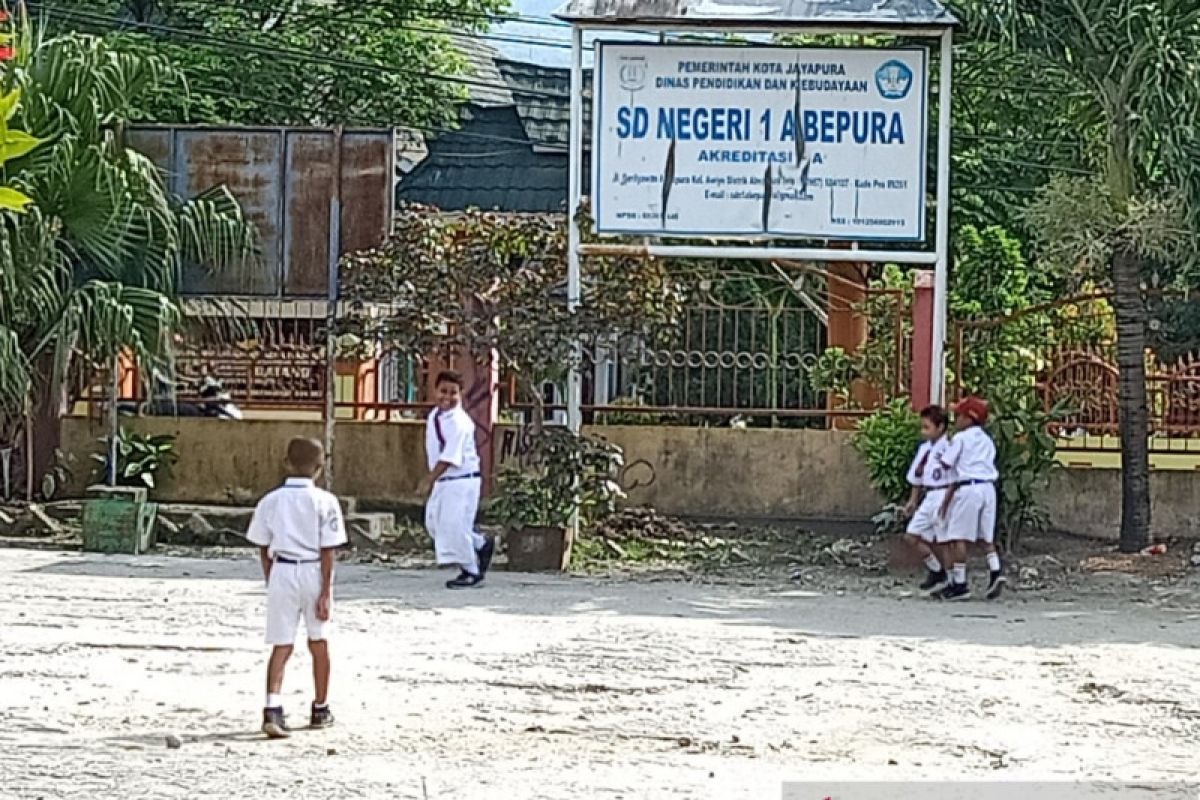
x=894, y=80
x=633, y=74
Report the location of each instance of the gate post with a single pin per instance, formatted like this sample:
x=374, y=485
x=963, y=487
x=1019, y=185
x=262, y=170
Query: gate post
x=922, y=338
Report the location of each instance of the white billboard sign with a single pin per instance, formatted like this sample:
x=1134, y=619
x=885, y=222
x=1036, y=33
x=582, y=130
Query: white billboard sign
x=707, y=141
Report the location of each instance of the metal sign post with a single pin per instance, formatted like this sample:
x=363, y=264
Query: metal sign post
x=773, y=116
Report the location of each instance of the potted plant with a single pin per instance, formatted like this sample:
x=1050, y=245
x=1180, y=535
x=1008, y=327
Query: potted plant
x=535, y=502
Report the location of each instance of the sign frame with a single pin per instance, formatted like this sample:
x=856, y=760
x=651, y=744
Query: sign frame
x=597, y=169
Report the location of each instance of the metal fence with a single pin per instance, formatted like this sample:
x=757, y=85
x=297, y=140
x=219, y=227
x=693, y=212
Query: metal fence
x=752, y=361
x=1067, y=351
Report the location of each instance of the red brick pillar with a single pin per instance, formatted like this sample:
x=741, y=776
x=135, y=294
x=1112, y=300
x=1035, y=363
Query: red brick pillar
x=922, y=338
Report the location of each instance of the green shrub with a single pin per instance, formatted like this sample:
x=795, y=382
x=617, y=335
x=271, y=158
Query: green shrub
x=1025, y=459
x=141, y=459
x=561, y=471
x=887, y=441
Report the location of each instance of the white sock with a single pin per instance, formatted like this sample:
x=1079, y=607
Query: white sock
x=274, y=701
x=959, y=574
x=993, y=559
x=932, y=563
x=321, y=706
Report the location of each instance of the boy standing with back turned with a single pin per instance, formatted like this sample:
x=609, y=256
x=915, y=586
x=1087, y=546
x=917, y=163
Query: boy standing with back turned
x=297, y=527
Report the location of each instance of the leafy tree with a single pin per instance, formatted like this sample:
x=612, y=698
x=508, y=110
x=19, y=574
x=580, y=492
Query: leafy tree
x=88, y=271
x=299, y=62
x=1131, y=68
x=483, y=282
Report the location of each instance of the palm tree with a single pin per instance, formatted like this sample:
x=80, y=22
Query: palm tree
x=89, y=271
x=1132, y=66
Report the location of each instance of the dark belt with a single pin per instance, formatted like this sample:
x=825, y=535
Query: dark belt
x=460, y=477
x=282, y=560
x=938, y=488
x=975, y=482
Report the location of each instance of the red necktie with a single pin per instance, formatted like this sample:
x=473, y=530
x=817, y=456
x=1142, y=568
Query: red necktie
x=437, y=429
x=920, y=467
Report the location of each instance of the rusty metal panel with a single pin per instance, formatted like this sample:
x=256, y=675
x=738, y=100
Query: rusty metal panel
x=306, y=234
x=283, y=179
x=248, y=164
x=156, y=144
x=367, y=189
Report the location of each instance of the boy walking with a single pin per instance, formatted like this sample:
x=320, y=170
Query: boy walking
x=929, y=481
x=297, y=527
x=453, y=485
x=970, y=505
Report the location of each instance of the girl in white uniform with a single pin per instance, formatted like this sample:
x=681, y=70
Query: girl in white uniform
x=929, y=481
x=969, y=508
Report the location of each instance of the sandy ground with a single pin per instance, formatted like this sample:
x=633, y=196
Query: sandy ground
x=549, y=687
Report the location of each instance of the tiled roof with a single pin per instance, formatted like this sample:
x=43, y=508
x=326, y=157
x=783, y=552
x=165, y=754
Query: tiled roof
x=510, y=149
x=546, y=119
x=502, y=171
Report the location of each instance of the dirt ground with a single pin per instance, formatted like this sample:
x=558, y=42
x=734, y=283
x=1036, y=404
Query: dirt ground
x=561, y=687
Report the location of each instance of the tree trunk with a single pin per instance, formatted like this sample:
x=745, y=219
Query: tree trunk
x=1131, y=317
x=50, y=402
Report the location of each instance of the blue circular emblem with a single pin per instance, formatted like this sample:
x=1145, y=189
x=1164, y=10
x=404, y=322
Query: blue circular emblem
x=894, y=80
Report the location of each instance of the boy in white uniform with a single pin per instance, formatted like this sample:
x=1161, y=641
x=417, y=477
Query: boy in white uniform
x=453, y=486
x=970, y=506
x=929, y=481
x=297, y=527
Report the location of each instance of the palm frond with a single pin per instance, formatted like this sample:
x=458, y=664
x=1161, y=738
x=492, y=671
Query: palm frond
x=215, y=233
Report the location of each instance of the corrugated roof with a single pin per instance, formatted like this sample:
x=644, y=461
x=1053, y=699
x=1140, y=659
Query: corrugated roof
x=764, y=13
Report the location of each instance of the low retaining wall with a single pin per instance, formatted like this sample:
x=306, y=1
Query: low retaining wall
x=1087, y=502
x=706, y=472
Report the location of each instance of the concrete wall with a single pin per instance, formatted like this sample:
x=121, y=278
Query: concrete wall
x=753, y=472
x=686, y=471
x=1088, y=502
x=235, y=462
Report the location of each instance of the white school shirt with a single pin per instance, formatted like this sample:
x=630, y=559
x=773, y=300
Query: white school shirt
x=455, y=445
x=297, y=521
x=972, y=455
x=927, y=469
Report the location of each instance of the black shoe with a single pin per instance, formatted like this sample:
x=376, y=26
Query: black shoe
x=935, y=581
x=996, y=585
x=274, y=725
x=321, y=717
x=955, y=591
x=465, y=580
x=485, y=555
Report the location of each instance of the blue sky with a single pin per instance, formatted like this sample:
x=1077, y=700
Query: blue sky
x=537, y=53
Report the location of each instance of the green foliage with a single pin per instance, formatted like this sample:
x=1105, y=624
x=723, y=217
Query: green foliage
x=887, y=441
x=833, y=372
x=13, y=145
x=89, y=271
x=561, y=472
x=1025, y=458
x=303, y=62
x=487, y=281
x=141, y=460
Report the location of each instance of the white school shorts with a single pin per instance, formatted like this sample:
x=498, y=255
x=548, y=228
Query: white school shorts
x=972, y=516
x=292, y=594
x=928, y=523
